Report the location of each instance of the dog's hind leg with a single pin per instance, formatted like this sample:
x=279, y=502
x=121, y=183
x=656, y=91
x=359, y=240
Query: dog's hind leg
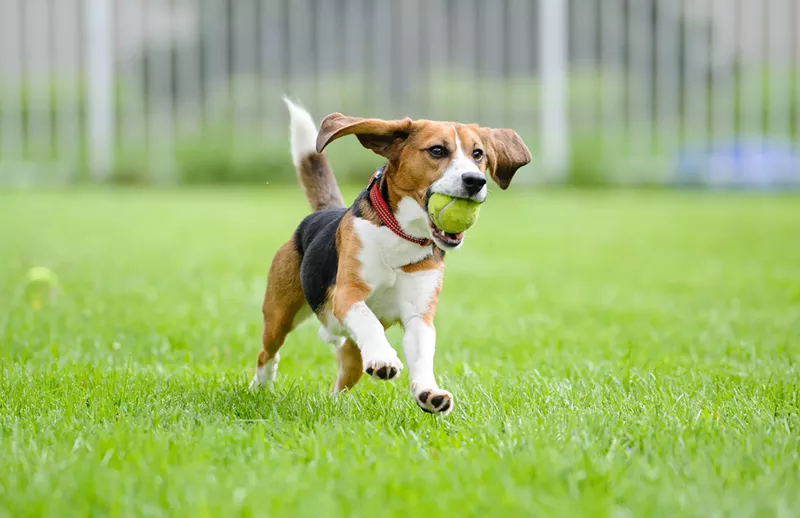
x=283, y=310
x=348, y=357
x=351, y=366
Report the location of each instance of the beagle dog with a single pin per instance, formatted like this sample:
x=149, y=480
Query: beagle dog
x=379, y=262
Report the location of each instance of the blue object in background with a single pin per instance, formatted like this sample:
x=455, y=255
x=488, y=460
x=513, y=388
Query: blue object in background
x=757, y=164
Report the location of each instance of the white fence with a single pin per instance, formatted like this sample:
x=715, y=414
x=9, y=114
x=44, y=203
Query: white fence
x=639, y=89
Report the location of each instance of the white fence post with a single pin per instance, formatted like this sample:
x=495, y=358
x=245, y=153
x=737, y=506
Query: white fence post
x=11, y=95
x=554, y=65
x=640, y=87
x=667, y=77
x=100, y=98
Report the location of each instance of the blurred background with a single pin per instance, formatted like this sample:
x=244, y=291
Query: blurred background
x=703, y=92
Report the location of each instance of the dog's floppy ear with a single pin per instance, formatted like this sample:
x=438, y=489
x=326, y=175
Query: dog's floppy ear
x=506, y=153
x=379, y=135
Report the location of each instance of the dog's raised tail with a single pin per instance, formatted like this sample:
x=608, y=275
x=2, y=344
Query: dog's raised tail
x=313, y=170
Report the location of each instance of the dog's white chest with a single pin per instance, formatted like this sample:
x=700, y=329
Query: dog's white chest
x=383, y=254
x=395, y=293
x=410, y=295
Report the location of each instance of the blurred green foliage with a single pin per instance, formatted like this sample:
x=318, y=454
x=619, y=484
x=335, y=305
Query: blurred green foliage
x=217, y=151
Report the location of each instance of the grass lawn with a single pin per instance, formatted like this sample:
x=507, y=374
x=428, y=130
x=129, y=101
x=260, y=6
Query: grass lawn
x=611, y=353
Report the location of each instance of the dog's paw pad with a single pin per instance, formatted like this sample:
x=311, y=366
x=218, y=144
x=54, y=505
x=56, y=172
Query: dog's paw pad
x=435, y=401
x=385, y=370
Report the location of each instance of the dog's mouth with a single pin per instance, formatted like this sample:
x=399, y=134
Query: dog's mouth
x=445, y=238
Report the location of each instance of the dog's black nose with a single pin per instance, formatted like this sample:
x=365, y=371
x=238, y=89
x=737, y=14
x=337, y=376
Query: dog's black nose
x=473, y=182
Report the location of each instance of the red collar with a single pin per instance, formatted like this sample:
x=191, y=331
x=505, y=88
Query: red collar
x=383, y=211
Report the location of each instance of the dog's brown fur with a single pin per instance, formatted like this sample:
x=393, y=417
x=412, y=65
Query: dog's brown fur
x=282, y=301
x=319, y=184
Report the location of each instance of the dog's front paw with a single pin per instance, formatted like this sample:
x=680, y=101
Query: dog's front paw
x=386, y=367
x=255, y=385
x=435, y=401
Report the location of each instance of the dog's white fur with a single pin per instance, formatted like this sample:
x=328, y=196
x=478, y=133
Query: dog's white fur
x=450, y=183
x=303, y=132
x=395, y=295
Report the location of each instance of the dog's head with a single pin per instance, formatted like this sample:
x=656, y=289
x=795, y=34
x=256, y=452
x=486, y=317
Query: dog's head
x=426, y=157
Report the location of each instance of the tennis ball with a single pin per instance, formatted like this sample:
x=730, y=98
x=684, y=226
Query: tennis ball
x=42, y=274
x=40, y=286
x=453, y=215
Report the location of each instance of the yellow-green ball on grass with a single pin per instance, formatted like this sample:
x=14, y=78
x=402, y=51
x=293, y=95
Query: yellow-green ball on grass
x=452, y=215
x=41, y=285
x=41, y=274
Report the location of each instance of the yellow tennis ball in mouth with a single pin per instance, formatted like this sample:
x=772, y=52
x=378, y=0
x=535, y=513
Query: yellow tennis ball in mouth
x=452, y=215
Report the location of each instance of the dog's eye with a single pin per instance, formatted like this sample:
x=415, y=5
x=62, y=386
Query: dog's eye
x=437, y=151
x=477, y=155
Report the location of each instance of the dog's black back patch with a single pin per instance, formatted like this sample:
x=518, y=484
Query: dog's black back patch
x=316, y=241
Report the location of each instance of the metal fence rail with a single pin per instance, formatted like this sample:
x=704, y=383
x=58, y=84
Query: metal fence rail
x=638, y=89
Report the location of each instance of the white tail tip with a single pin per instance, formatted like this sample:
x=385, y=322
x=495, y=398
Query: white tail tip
x=302, y=130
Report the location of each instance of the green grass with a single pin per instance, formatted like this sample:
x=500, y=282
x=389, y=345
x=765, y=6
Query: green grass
x=611, y=354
